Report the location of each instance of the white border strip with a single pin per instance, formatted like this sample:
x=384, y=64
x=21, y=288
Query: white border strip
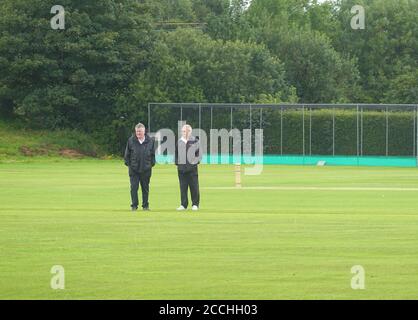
x=284, y=188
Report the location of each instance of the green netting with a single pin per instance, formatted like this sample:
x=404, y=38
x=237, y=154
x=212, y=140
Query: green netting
x=305, y=134
x=311, y=160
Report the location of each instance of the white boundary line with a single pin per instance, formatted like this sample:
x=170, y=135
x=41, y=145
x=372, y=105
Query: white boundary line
x=290, y=188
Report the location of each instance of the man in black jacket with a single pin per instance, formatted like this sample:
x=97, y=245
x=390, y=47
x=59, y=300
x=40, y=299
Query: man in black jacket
x=187, y=157
x=140, y=158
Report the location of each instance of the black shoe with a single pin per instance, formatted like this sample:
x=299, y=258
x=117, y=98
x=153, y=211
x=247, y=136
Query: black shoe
x=134, y=209
x=145, y=209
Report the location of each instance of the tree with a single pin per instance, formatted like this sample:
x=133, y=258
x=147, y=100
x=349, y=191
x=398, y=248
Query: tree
x=387, y=46
x=313, y=66
x=173, y=11
x=188, y=66
x=71, y=77
x=403, y=88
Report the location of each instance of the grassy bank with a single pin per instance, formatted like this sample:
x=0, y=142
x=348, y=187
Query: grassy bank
x=18, y=143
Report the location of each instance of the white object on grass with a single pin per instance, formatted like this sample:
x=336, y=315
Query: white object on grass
x=238, y=175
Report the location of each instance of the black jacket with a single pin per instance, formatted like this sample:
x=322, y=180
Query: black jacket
x=140, y=158
x=183, y=163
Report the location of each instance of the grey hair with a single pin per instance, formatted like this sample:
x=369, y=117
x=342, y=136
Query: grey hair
x=139, y=126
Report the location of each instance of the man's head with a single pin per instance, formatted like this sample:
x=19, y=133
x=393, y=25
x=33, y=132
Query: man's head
x=186, y=131
x=140, y=131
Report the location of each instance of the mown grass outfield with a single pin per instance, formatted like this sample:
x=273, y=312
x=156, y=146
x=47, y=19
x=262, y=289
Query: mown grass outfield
x=295, y=237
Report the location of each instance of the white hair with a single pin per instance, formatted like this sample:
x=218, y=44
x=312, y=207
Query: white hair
x=188, y=127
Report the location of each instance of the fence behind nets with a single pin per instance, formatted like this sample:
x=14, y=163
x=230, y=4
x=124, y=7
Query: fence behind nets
x=335, y=134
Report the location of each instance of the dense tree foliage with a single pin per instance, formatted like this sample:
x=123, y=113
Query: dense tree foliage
x=116, y=56
x=386, y=50
x=71, y=77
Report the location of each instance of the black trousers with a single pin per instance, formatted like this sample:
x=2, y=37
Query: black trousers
x=136, y=179
x=189, y=179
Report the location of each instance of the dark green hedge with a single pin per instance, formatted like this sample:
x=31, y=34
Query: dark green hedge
x=401, y=132
x=401, y=129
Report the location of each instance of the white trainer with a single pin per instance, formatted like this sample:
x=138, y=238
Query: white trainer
x=181, y=208
x=195, y=208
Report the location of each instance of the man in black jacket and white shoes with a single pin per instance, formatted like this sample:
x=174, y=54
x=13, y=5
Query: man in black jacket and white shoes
x=140, y=158
x=187, y=158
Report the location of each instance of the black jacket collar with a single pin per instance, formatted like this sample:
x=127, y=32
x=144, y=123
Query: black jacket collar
x=147, y=138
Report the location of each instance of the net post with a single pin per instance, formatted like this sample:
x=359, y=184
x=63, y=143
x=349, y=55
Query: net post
x=211, y=117
x=387, y=130
x=416, y=139
x=361, y=131
x=303, y=132
x=251, y=124
x=251, y=118
x=310, y=131
x=200, y=116
x=333, y=132
x=281, y=131
x=261, y=128
x=414, y=118
x=231, y=119
x=230, y=137
x=358, y=134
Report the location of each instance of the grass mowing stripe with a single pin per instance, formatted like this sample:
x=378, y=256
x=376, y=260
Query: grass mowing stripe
x=241, y=245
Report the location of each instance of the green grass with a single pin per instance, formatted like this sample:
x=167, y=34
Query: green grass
x=243, y=244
